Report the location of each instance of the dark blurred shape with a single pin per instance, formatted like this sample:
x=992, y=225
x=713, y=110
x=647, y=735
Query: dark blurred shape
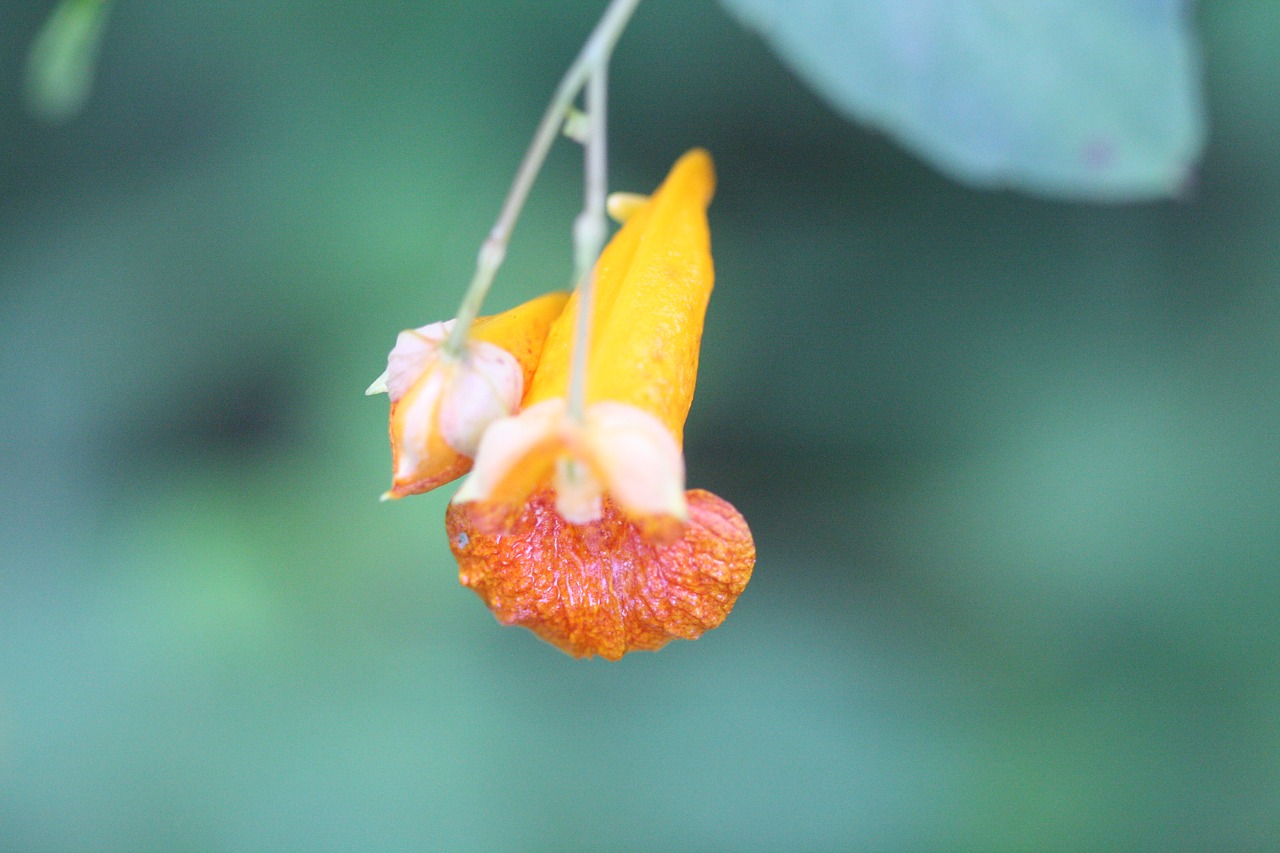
x=224, y=415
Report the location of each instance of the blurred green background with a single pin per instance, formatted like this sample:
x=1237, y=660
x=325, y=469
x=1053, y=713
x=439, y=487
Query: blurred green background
x=1011, y=464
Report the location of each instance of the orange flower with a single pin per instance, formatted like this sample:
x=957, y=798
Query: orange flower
x=440, y=405
x=580, y=528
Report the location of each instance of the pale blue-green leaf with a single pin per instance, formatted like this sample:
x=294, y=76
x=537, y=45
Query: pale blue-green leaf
x=1095, y=99
x=61, y=63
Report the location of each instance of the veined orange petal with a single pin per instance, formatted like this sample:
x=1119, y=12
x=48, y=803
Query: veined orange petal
x=605, y=588
x=652, y=284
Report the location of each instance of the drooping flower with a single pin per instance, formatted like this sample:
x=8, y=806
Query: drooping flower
x=441, y=405
x=580, y=528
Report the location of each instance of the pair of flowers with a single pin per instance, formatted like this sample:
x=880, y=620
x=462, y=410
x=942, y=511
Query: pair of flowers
x=578, y=525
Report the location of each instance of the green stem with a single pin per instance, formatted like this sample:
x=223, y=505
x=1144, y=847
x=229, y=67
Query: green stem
x=593, y=56
x=589, y=233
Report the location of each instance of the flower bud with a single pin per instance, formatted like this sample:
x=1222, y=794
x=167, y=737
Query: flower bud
x=441, y=404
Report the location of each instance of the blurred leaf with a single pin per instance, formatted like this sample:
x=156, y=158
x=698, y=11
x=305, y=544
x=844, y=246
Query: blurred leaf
x=61, y=63
x=1095, y=99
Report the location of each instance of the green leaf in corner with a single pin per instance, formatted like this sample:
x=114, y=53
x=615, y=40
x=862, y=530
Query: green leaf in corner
x=61, y=63
x=1087, y=99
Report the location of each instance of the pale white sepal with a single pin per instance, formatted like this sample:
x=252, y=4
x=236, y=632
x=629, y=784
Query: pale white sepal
x=638, y=458
x=454, y=399
x=416, y=350
x=485, y=386
x=506, y=444
x=620, y=450
x=579, y=494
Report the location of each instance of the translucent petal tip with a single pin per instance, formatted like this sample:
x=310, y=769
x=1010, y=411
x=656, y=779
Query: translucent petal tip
x=379, y=386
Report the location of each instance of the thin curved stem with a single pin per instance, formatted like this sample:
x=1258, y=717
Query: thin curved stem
x=593, y=56
x=589, y=233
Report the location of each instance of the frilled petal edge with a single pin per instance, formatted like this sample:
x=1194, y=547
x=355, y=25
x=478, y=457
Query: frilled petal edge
x=605, y=588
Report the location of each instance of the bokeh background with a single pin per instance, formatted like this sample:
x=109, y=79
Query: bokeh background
x=1011, y=463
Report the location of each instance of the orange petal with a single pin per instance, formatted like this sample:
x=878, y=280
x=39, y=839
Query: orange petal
x=604, y=588
x=652, y=284
x=421, y=459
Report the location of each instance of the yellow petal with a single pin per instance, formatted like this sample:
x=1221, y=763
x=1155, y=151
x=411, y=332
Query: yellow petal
x=652, y=284
x=522, y=331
